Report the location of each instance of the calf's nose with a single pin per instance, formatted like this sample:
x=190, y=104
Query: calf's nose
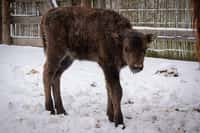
x=138, y=66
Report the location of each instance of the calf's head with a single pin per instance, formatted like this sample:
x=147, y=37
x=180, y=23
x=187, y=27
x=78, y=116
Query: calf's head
x=134, y=47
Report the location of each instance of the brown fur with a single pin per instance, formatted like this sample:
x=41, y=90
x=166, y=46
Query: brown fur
x=196, y=24
x=97, y=35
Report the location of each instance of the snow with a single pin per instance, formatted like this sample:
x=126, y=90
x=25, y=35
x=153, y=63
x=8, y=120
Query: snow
x=152, y=102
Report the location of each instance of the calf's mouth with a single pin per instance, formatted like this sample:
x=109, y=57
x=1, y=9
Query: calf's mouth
x=136, y=68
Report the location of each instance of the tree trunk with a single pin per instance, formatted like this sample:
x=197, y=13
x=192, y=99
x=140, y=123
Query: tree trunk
x=6, y=22
x=0, y=22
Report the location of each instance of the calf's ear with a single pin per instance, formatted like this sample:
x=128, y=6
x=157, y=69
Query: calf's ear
x=150, y=37
x=115, y=36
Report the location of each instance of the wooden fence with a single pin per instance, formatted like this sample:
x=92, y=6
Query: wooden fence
x=170, y=20
x=26, y=15
x=157, y=13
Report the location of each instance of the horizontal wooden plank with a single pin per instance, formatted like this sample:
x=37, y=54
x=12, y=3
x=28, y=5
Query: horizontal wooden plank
x=37, y=42
x=153, y=9
x=172, y=55
x=33, y=0
x=28, y=0
x=25, y=19
x=177, y=38
x=169, y=33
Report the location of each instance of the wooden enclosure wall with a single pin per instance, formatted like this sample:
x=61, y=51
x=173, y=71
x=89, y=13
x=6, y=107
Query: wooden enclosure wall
x=26, y=15
x=170, y=20
x=6, y=22
x=25, y=19
x=158, y=13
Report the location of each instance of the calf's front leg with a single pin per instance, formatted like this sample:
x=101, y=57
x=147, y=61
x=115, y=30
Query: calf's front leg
x=114, y=95
x=109, y=113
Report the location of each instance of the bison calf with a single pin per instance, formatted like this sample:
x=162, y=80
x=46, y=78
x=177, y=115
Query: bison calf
x=98, y=35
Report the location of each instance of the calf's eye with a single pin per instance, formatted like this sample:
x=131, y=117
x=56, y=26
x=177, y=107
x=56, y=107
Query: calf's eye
x=126, y=49
x=144, y=51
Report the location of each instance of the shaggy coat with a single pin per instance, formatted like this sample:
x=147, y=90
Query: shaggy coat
x=98, y=35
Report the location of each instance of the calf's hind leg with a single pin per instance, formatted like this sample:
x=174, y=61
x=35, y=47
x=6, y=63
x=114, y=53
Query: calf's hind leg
x=64, y=63
x=57, y=97
x=51, y=78
x=47, y=89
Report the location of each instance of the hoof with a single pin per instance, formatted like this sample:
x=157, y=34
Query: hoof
x=61, y=111
x=119, y=121
x=51, y=110
x=120, y=125
x=110, y=117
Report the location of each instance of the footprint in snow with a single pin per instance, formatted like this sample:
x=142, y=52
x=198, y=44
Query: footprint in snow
x=168, y=71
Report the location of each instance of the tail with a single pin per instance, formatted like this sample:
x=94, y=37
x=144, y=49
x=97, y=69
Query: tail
x=53, y=4
x=42, y=34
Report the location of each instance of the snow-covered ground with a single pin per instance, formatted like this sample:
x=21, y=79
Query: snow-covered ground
x=163, y=98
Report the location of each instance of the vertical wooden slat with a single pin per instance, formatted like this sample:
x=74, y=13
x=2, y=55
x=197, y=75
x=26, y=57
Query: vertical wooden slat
x=116, y=5
x=101, y=3
x=86, y=3
x=6, y=22
x=108, y=4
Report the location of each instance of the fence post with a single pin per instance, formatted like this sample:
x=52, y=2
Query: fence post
x=1, y=21
x=6, y=22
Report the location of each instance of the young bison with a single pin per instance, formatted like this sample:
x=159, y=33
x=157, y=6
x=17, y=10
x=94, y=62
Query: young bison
x=98, y=35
